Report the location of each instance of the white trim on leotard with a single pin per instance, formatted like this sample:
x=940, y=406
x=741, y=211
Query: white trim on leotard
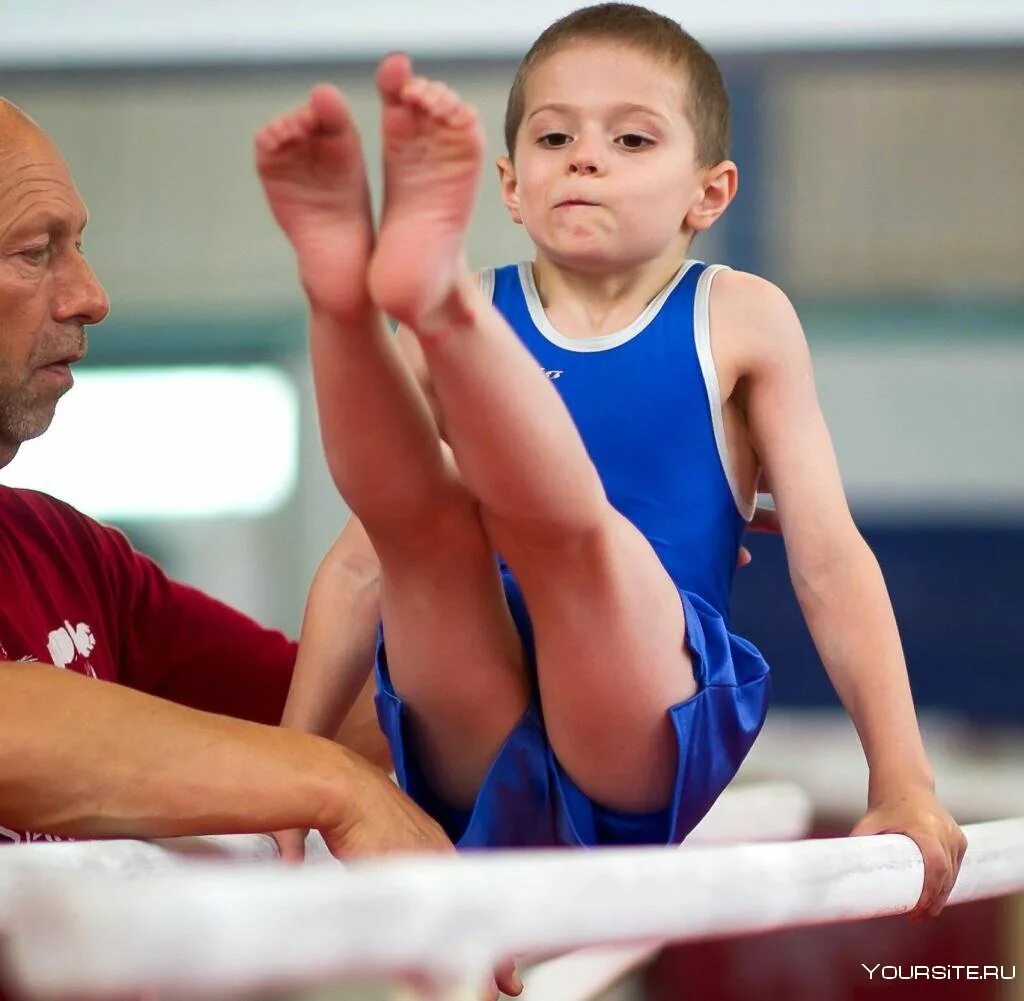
x=603, y=342
x=702, y=338
x=486, y=278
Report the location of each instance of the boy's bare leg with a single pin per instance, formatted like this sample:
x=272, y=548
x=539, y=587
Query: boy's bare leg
x=608, y=619
x=452, y=647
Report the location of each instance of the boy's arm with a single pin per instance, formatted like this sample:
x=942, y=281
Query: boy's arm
x=836, y=577
x=331, y=687
x=331, y=690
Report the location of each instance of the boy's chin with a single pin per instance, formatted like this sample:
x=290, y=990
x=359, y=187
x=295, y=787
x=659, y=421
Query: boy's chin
x=595, y=259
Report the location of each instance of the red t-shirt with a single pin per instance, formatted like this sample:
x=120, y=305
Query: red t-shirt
x=76, y=594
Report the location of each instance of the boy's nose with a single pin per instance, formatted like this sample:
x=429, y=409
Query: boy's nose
x=582, y=165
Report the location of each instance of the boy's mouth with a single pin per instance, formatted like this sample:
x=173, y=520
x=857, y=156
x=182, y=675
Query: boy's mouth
x=570, y=202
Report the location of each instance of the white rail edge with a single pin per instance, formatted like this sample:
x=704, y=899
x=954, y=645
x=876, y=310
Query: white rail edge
x=751, y=811
x=449, y=920
x=768, y=810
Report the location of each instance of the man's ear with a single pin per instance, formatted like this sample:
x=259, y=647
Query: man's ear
x=509, y=187
x=719, y=190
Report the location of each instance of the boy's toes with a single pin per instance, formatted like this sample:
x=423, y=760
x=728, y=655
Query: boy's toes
x=268, y=139
x=417, y=92
x=327, y=109
x=393, y=74
x=445, y=103
x=282, y=129
x=398, y=85
x=436, y=100
x=463, y=116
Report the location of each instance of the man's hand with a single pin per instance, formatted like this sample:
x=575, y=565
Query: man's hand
x=922, y=818
x=379, y=818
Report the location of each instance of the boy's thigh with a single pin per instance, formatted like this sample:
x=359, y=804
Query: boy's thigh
x=527, y=798
x=453, y=653
x=612, y=658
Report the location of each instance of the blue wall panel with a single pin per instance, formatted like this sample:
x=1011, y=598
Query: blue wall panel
x=958, y=591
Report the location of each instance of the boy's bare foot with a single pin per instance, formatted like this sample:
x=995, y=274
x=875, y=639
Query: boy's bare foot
x=310, y=161
x=433, y=150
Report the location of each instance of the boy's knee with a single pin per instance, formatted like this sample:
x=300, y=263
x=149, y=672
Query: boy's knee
x=580, y=542
x=448, y=524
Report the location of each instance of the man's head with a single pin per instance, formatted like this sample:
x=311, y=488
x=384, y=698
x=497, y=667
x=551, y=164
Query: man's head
x=48, y=294
x=635, y=113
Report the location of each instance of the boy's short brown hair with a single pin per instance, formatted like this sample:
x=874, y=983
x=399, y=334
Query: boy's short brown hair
x=707, y=103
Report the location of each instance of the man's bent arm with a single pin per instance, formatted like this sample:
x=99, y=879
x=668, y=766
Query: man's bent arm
x=86, y=758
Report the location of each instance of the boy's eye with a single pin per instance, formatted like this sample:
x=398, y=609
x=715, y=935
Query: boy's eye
x=554, y=140
x=633, y=141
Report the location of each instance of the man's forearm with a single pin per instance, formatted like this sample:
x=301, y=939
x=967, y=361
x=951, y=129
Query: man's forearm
x=849, y=614
x=81, y=757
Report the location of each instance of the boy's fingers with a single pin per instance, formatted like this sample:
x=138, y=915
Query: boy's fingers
x=766, y=519
x=291, y=845
x=508, y=980
x=956, y=853
x=938, y=877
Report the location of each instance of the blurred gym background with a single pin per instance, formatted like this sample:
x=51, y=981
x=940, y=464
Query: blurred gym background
x=880, y=149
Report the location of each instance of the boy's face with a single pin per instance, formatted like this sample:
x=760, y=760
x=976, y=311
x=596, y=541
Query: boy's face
x=605, y=172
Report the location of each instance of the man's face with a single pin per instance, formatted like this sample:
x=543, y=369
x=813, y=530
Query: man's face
x=48, y=294
x=605, y=169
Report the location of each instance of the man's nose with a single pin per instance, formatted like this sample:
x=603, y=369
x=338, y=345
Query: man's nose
x=80, y=296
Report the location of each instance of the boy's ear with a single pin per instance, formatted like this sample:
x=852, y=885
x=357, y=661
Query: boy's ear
x=509, y=188
x=719, y=190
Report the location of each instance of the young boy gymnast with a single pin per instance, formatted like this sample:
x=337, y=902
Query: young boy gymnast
x=601, y=419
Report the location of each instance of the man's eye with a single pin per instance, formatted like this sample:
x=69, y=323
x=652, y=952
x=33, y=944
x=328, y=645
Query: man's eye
x=554, y=140
x=37, y=255
x=633, y=141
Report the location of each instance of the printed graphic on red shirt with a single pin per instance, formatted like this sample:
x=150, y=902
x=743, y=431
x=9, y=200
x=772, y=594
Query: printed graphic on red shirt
x=68, y=642
x=67, y=646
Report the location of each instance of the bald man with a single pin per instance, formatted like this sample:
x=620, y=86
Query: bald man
x=178, y=740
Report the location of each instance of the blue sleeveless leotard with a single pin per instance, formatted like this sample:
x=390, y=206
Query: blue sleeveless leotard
x=645, y=401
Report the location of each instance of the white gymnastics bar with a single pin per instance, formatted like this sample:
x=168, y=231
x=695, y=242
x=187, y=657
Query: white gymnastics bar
x=208, y=930
x=751, y=811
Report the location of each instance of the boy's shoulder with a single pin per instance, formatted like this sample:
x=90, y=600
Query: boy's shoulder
x=752, y=319
x=743, y=290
